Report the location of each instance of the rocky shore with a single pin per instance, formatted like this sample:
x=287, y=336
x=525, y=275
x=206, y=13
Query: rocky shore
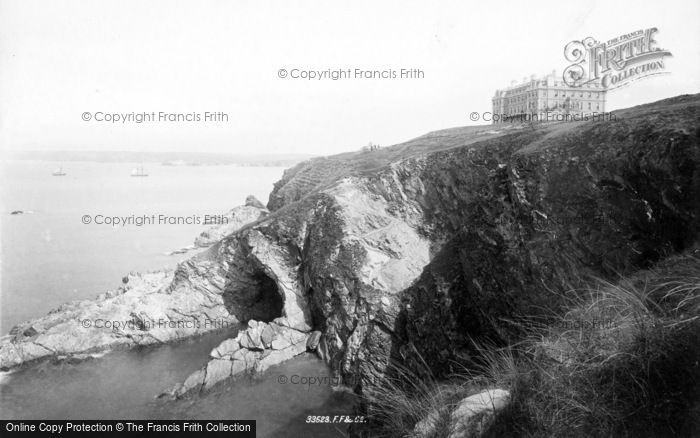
x=253, y=350
x=145, y=310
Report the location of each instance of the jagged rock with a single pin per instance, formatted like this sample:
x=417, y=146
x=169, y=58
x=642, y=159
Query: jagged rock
x=251, y=342
x=298, y=322
x=226, y=348
x=475, y=413
x=251, y=339
x=238, y=367
x=217, y=370
x=323, y=350
x=172, y=393
x=267, y=336
x=194, y=381
x=252, y=201
x=251, y=357
x=295, y=336
x=313, y=341
x=275, y=357
x=237, y=218
x=144, y=311
x=280, y=343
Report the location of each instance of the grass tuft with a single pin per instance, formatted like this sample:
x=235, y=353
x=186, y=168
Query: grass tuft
x=622, y=360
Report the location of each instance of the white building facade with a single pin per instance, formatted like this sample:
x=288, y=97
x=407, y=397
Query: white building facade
x=548, y=98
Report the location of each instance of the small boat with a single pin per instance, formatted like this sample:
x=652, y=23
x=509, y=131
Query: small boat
x=58, y=172
x=138, y=171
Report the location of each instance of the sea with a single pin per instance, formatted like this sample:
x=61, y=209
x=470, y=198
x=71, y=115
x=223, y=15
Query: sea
x=70, y=237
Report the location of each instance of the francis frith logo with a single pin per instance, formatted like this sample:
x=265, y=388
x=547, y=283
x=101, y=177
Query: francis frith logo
x=616, y=62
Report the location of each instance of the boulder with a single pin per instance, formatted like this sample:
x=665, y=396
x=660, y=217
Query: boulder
x=226, y=348
x=251, y=339
x=246, y=353
x=280, y=343
x=267, y=336
x=475, y=413
x=314, y=339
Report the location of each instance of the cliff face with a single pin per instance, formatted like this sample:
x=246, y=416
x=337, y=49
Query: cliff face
x=414, y=249
x=454, y=235
x=534, y=212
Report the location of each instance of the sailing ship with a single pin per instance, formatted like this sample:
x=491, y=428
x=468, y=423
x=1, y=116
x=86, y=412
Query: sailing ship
x=58, y=172
x=138, y=171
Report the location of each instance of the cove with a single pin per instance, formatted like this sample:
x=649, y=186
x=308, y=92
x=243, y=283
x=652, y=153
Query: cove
x=123, y=385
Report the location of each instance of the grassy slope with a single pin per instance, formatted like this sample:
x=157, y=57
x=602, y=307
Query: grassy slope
x=624, y=360
x=317, y=173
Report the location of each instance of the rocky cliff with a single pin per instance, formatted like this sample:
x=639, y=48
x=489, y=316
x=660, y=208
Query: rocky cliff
x=407, y=252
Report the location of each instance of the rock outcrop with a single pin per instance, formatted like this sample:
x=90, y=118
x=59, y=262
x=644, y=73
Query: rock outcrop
x=470, y=418
x=141, y=312
x=474, y=414
x=238, y=217
x=147, y=309
x=253, y=350
x=252, y=201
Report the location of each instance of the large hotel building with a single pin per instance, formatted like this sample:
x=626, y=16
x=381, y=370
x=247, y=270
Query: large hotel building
x=547, y=98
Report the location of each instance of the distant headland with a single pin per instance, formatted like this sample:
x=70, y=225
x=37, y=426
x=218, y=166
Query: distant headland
x=164, y=158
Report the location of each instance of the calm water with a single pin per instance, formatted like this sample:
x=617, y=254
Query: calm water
x=122, y=385
x=50, y=257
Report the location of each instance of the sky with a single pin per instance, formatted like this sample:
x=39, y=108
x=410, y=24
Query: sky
x=61, y=60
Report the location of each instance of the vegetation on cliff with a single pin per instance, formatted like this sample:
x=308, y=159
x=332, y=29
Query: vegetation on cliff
x=623, y=360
